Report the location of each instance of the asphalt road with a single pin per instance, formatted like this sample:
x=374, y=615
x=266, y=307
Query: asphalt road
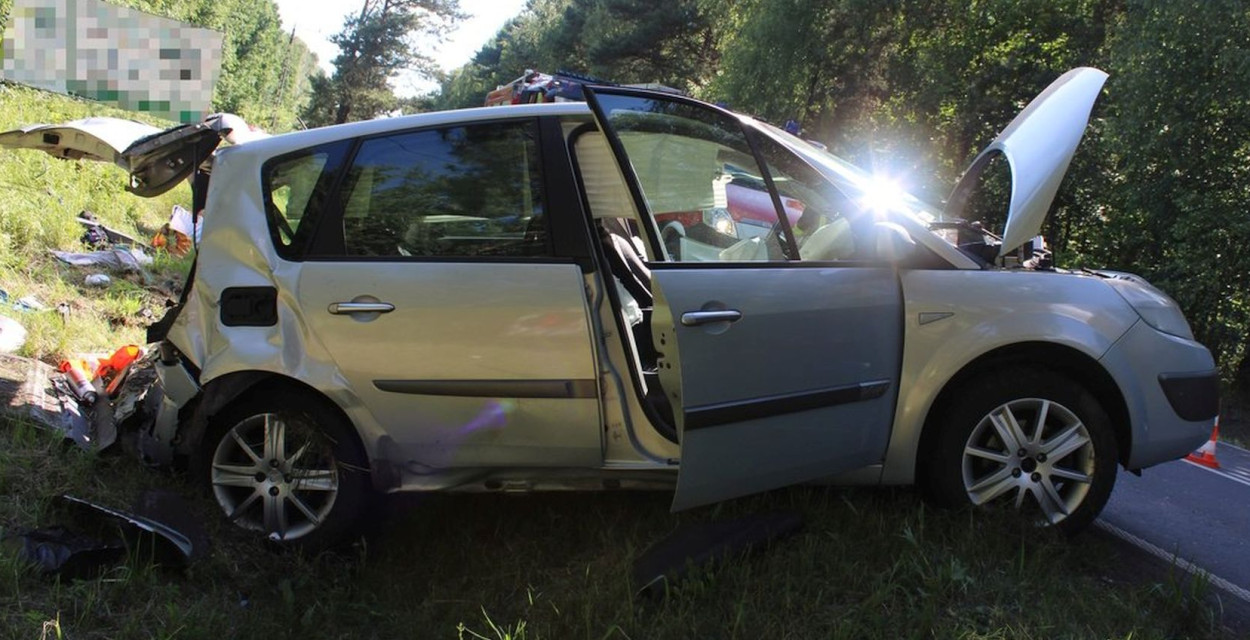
x=1195, y=516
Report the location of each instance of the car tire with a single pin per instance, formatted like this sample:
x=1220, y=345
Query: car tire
x=286, y=465
x=989, y=450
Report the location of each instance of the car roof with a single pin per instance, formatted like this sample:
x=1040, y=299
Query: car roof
x=286, y=142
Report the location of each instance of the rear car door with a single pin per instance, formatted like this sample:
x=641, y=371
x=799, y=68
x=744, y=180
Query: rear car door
x=780, y=369
x=433, y=284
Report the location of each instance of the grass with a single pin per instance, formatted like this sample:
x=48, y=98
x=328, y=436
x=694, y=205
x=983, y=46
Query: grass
x=868, y=564
x=42, y=197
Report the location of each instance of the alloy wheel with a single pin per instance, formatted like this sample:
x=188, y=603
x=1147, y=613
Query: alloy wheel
x=1030, y=451
x=274, y=474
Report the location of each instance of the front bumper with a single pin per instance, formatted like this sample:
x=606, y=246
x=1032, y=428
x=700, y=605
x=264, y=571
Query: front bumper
x=1193, y=396
x=1171, y=391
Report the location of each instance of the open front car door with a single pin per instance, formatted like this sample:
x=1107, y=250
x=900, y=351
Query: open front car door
x=781, y=369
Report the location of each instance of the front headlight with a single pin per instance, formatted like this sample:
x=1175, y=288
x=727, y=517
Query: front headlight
x=720, y=220
x=1154, y=306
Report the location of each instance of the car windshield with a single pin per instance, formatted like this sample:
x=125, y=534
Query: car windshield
x=870, y=191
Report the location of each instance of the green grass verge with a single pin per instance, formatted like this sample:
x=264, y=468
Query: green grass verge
x=40, y=197
x=868, y=564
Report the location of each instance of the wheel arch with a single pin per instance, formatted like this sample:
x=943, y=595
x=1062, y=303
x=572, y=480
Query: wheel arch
x=1061, y=359
x=239, y=386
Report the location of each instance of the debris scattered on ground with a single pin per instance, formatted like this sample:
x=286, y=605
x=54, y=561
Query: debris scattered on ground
x=97, y=230
x=25, y=303
x=702, y=544
x=72, y=554
x=173, y=546
x=95, y=237
x=12, y=335
x=80, y=383
x=131, y=259
x=33, y=391
x=95, y=381
x=79, y=400
x=97, y=280
x=177, y=234
x=92, y=537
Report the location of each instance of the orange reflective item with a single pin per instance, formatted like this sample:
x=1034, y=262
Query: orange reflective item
x=118, y=361
x=112, y=370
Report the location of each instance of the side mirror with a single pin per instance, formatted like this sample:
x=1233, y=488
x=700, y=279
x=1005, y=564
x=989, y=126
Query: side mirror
x=893, y=242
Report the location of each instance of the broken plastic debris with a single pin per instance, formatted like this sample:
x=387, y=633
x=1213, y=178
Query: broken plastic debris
x=25, y=303
x=171, y=544
x=95, y=537
x=101, y=233
x=132, y=259
x=97, y=280
x=72, y=554
x=32, y=391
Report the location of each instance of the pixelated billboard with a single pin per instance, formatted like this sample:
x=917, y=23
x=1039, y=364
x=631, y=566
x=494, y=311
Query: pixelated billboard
x=121, y=56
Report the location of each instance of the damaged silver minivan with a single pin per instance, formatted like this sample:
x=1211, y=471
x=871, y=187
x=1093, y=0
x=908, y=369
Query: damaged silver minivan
x=486, y=300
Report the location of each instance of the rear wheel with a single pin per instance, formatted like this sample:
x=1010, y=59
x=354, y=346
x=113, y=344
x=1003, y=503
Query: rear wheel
x=288, y=467
x=1036, y=441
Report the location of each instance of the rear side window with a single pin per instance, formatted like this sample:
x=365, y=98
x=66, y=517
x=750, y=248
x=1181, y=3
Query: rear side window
x=297, y=191
x=462, y=192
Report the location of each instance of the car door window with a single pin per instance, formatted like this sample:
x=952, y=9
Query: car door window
x=701, y=184
x=828, y=225
x=462, y=192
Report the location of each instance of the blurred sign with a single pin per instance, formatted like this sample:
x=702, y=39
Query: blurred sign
x=116, y=55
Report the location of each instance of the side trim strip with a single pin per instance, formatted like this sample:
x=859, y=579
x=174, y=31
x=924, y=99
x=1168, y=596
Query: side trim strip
x=493, y=388
x=713, y=415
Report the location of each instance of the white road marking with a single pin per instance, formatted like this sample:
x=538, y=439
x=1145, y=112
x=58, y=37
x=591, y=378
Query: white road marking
x=1175, y=559
x=1236, y=475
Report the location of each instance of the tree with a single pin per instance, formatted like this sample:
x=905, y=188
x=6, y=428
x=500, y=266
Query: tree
x=375, y=45
x=1180, y=137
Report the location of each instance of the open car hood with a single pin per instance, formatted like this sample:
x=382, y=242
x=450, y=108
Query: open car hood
x=156, y=160
x=1038, y=144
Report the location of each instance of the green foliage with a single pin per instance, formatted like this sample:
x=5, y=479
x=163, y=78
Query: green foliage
x=676, y=43
x=375, y=45
x=264, y=72
x=1179, y=135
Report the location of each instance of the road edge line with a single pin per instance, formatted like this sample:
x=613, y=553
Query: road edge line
x=1218, y=472
x=1175, y=559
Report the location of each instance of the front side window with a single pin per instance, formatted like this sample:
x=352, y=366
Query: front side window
x=828, y=225
x=700, y=181
x=466, y=191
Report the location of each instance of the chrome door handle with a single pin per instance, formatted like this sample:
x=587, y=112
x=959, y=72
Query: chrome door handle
x=348, y=308
x=696, y=318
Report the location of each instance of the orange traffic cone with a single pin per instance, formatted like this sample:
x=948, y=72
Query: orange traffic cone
x=1205, y=455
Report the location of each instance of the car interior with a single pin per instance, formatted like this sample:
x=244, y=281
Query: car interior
x=624, y=253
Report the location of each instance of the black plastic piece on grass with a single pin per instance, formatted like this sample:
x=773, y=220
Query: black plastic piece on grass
x=91, y=537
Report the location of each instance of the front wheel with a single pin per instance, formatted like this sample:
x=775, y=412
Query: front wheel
x=1035, y=440
x=286, y=466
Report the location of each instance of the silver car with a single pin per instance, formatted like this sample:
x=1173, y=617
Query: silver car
x=482, y=300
